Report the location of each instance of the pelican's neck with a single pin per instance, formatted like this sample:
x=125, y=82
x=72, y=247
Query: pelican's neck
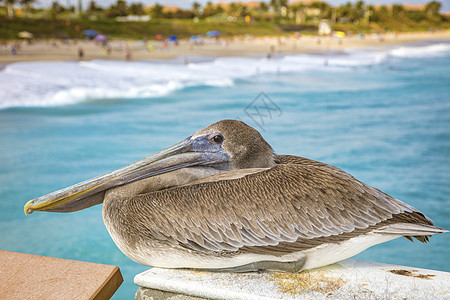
x=159, y=182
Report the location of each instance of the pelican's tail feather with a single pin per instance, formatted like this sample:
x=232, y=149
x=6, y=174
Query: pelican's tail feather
x=421, y=232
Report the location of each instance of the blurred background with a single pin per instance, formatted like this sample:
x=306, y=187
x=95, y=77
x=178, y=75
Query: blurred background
x=369, y=94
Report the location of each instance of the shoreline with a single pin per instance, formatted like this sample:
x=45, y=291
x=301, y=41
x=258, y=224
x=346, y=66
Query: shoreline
x=57, y=50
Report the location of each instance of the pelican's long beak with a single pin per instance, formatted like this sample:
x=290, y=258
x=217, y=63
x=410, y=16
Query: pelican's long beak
x=91, y=192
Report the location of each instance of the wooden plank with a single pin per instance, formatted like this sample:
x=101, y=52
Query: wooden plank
x=26, y=276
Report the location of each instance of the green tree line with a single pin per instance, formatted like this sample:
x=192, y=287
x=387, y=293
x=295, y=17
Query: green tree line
x=258, y=18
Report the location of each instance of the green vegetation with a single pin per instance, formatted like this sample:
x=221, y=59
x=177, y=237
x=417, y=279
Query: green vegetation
x=135, y=21
x=182, y=28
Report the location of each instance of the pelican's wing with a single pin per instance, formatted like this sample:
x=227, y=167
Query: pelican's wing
x=291, y=206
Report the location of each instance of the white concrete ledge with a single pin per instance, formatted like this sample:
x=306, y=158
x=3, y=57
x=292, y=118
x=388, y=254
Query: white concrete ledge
x=349, y=278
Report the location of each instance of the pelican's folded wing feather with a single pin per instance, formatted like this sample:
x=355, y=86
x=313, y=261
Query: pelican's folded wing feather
x=294, y=206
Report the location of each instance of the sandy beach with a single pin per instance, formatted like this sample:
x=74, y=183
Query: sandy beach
x=57, y=50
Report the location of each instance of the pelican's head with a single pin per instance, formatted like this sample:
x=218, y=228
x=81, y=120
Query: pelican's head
x=223, y=146
x=243, y=145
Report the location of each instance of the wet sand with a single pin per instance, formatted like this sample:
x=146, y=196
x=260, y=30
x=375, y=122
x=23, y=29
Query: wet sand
x=261, y=46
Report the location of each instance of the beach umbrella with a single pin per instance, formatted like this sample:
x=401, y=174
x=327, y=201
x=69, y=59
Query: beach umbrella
x=339, y=34
x=101, y=38
x=213, y=33
x=173, y=38
x=196, y=37
x=158, y=36
x=25, y=35
x=90, y=32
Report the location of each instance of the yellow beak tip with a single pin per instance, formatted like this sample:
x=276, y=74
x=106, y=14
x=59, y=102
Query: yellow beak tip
x=27, y=208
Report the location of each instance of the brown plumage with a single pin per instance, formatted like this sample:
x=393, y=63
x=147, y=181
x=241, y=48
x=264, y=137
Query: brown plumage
x=221, y=199
x=294, y=206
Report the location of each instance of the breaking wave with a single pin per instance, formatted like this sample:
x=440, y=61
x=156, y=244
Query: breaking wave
x=64, y=83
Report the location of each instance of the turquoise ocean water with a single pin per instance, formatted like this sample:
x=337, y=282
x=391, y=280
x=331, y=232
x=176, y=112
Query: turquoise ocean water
x=381, y=115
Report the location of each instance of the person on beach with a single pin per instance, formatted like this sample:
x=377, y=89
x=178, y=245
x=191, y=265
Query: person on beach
x=127, y=53
x=80, y=53
x=107, y=49
x=271, y=52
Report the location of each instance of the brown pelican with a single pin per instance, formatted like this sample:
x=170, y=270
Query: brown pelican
x=222, y=200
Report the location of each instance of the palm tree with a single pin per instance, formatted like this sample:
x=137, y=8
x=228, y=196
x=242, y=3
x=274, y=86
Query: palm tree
x=10, y=8
x=263, y=6
x=26, y=5
x=156, y=11
x=209, y=9
x=433, y=8
x=196, y=8
x=277, y=5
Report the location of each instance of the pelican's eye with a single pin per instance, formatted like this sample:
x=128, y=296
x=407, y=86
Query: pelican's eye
x=218, y=138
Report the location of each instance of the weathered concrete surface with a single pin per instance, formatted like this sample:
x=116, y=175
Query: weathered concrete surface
x=26, y=276
x=150, y=294
x=347, y=279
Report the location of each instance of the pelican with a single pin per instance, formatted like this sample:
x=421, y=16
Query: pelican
x=221, y=200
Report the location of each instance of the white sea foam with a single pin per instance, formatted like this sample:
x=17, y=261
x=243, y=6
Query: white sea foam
x=63, y=83
x=421, y=51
